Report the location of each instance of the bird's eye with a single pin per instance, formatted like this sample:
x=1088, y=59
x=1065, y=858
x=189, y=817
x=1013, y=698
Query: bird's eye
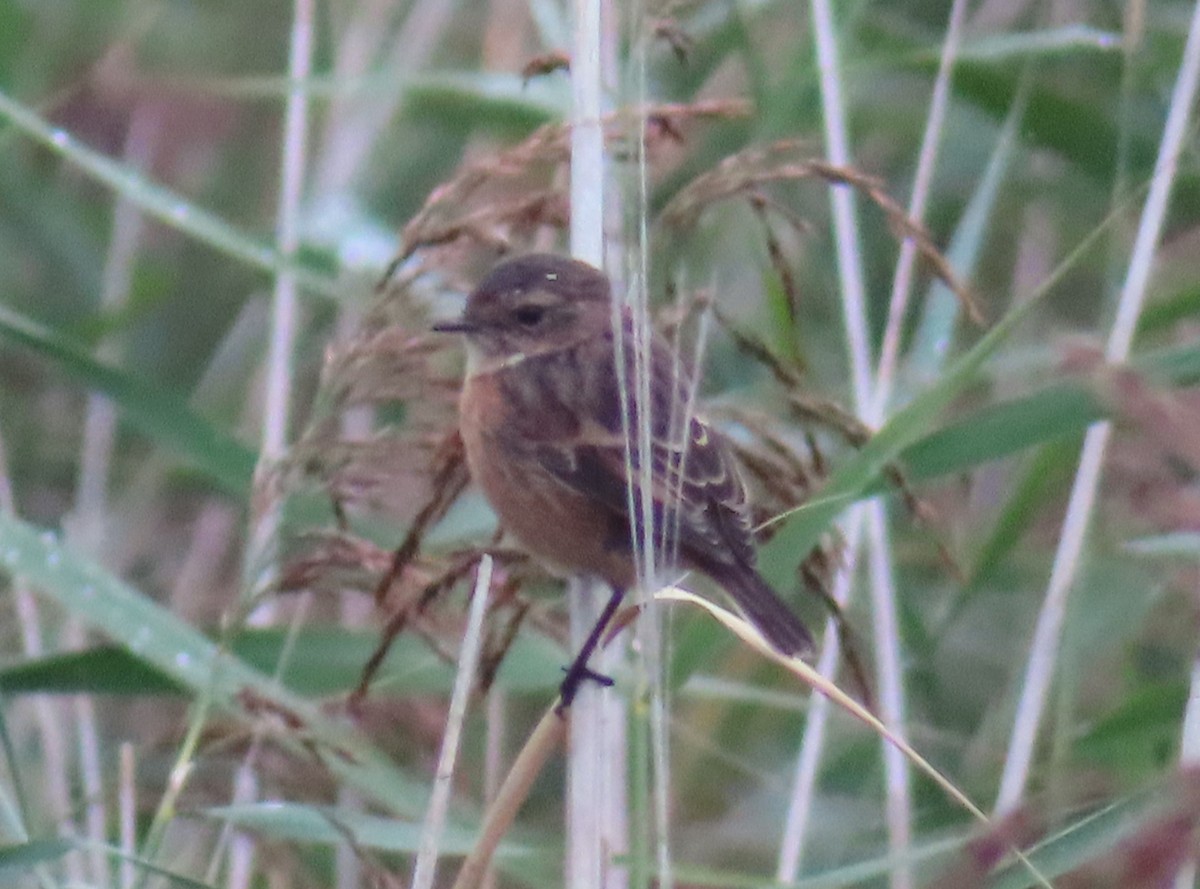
x=529, y=316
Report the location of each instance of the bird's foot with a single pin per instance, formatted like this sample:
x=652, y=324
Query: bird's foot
x=577, y=674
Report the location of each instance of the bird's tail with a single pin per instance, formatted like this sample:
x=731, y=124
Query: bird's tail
x=766, y=610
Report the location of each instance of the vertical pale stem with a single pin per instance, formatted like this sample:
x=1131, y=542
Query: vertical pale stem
x=1189, y=755
x=1039, y=670
x=493, y=761
x=464, y=681
x=849, y=257
x=655, y=543
x=353, y=127
x=845, y=213
x=587, y=137
x=594, y=829
x=127, y=813
x=261, y=553
x=808, y=762
x=890, y=674
x=90, y=513
x=889, y=350
x=284, y=308
x=91, y=499
x=291, y=187
x=585, y=768
x=871, y=400
x=55, y=764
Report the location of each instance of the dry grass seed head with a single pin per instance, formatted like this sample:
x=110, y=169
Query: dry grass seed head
x=502, y=199
x=746, y=173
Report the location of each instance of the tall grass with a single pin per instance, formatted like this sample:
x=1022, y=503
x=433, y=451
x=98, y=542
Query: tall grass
x=196, y=203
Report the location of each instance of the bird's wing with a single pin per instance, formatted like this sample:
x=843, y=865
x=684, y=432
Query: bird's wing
x=697, y=496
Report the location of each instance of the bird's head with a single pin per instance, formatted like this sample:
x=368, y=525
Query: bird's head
x=532, y=305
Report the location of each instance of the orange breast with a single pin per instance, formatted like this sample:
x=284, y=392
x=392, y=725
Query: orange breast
x=559, y=526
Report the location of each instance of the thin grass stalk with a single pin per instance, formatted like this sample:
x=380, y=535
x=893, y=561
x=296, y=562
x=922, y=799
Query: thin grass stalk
x=14, y=809
x=51, y=731
x=359, y=43
x=284, y=304
x=547, y=737
x=614, y=761
x=1133, y=33
x=639, y=452
x=276, y=407
x=592, y=837
x=844, y=204
x=245, y=785
x=889, y=675
x=652, y=638
x=162, y=204
x=356, y=123
x=356, y=424
x=260, y=556
x=90, y=509
x=808, y=760
x=177, y=779
x=1189, y=755
x=45, y=714
x=493, y=760
x=1040, y=666
x=439, y=803
x=583, y=866
x=233, y=848
x=240, y=848
x=614, y=708
x=651, y=779
x=351, y=129
x=640, y=794
x=879, y=556
x=850, y=279
x=15, y=815
x=889, y=350
x=587, y=136
x=127, y=813
x=91, y=780
x=940, y=311
x=91, y=512
x=889, y=672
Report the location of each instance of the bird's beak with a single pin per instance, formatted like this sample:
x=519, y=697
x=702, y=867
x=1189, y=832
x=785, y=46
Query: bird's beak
x=459, y=326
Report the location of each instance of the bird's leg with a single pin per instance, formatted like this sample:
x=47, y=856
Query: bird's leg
x=578, y=672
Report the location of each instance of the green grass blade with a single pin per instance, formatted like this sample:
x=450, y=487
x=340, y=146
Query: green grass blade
x=327, y=826
x=162, y=416
x=106, y=669
x=1056, y=411
x=940, y=309
x=184, y=654
x=802, y=529
x=161, y=203
x=24, y=856
x=321, y=661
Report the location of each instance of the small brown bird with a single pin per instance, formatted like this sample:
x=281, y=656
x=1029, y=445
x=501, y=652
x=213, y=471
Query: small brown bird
x=541, y=419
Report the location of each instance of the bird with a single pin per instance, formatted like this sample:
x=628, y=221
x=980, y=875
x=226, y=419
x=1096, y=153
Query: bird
x=544, y=426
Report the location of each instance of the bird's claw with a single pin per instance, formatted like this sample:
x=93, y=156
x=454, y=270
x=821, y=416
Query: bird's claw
x=577, y=674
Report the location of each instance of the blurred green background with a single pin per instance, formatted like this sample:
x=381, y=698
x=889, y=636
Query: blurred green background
x=142, y=144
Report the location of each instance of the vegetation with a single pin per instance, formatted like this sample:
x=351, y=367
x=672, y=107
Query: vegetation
x=238, y=544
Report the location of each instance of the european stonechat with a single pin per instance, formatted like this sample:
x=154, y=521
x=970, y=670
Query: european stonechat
x=541, y=416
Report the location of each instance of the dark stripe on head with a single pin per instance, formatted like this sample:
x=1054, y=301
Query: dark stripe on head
x=569, y=278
